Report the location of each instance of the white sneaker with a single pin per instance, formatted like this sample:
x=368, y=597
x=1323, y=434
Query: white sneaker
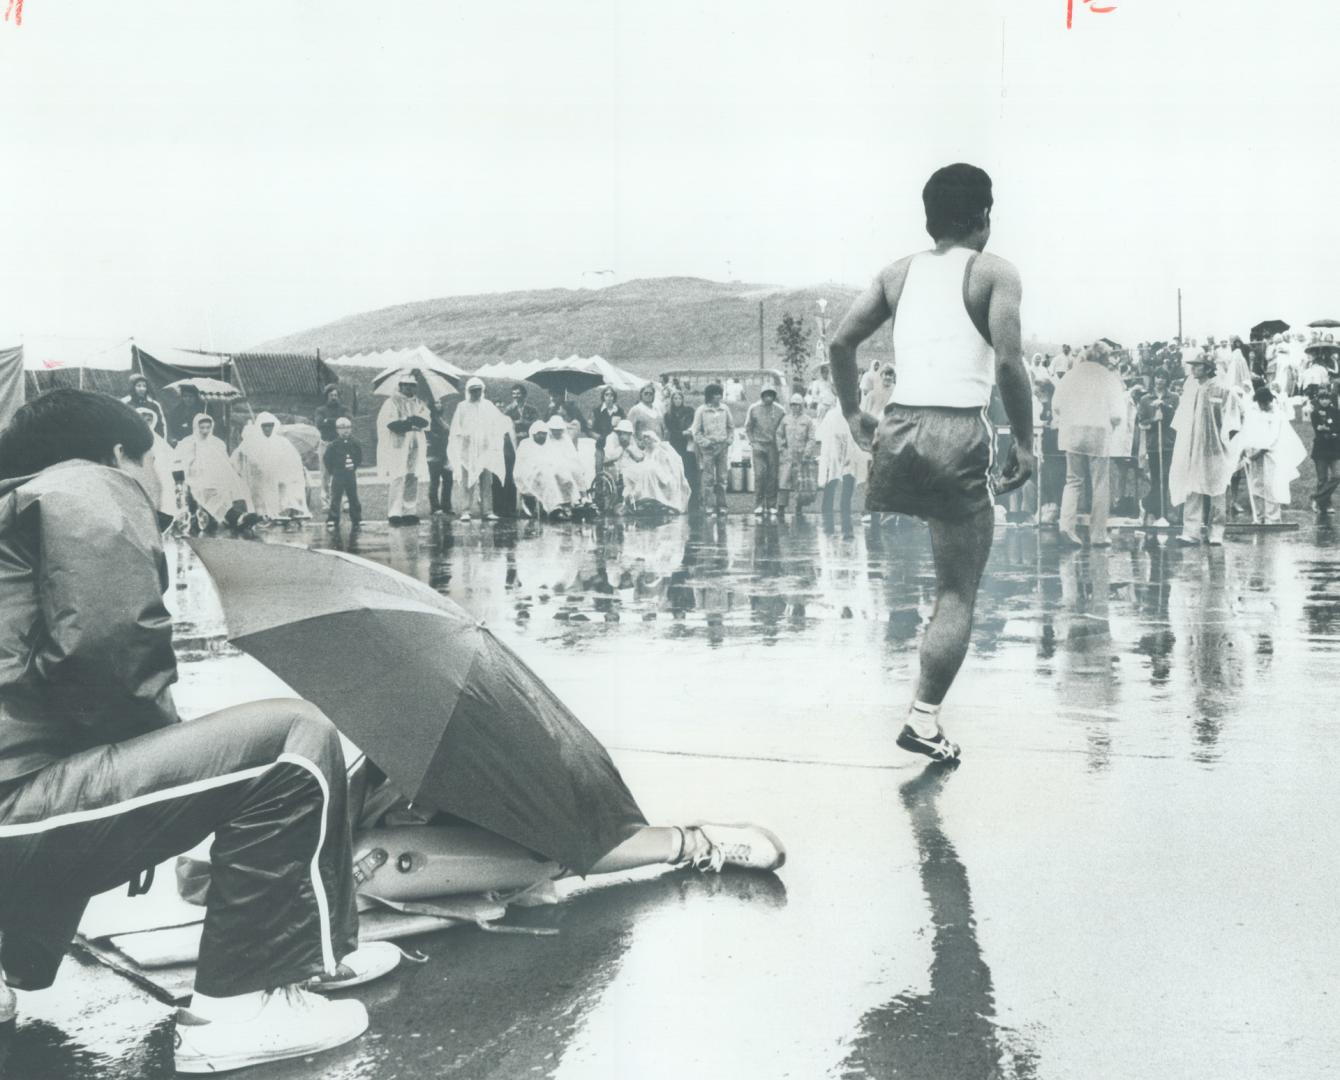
x=363, y=965
x=292, y=1023
x=465, y=517
x=746, y=846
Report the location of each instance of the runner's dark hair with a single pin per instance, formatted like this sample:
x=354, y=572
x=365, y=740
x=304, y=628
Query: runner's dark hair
x=712, y=388
x=64, y=424
x=956, y=198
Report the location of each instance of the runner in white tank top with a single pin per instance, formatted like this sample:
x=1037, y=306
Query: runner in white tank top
x=955, y=315
x=942, y=358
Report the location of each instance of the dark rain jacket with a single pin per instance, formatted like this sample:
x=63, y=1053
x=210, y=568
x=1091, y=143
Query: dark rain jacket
x=85, y=639
x=85, y=650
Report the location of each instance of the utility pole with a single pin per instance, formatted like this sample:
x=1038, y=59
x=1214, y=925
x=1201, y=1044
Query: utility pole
x=760, y=335
x=1179, y=316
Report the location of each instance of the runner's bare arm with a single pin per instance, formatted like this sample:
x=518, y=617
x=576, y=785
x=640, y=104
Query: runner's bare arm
x=863, y=318
x=1016, y=392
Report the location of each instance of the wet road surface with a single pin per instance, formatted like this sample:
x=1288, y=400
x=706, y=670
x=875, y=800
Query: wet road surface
x=1132, y=874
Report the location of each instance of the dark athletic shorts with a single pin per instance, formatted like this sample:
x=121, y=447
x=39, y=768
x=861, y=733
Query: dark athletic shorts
x=932, y=462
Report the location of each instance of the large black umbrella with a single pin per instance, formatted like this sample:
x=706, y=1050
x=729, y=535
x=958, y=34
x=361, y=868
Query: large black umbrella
x=1268, y=328
x=447, y=711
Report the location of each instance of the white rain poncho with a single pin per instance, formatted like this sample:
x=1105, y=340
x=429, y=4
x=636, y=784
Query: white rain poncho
x=210, y=476
x=165, y=460
x=839, y=455
x=1268, y=432
x=402, y=454
x=534, y=474
x=272, y=469
x=1203, y=461
x=475, y=444
x=658, y=477
x=874, y=402
x=564, y=464
x=1088, y=404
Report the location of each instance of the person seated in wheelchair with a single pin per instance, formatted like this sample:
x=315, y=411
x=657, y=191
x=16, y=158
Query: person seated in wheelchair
x=622, y=453
x=655, y=485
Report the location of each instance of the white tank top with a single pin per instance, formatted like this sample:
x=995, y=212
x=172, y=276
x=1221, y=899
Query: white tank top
x=939, y=354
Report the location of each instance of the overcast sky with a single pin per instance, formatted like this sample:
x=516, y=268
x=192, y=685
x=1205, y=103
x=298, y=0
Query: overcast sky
x=217, y=174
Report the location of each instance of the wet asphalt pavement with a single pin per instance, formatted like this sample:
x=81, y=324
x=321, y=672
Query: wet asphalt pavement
x=1133, y=873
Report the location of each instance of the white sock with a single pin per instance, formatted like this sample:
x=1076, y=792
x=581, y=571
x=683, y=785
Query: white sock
x=924, y=719
x=228, y=1010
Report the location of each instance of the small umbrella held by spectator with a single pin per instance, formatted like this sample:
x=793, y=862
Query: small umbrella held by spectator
x=436, y=382
x=446, y=710
x=209, y=389
x=1270, y=327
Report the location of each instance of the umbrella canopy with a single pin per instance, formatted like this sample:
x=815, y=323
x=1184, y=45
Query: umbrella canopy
x=305, y=438
x=437, y=383
x=448, y=712
x=1269, y=327
x=577, y=374
x=210, y=389
x=1325, y=324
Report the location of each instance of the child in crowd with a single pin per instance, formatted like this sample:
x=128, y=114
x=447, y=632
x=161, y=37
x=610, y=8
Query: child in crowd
x=342, y=459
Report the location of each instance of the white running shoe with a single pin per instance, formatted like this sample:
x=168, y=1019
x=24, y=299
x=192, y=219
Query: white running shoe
x=465, y=516
x=292, y=1023
x=363, y=965
x=750, y=847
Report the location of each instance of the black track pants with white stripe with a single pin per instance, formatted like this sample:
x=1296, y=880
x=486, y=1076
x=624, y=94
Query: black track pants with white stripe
x=267, y=779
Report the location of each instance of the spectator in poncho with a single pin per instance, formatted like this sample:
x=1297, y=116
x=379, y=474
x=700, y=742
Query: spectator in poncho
x=1089, y=404
x=564, y=462
x=272, y=469
x=163, y=465
x=796, y=466
x=475, y=451
x=880, y=393
x=658, y=478
x=402, y=451
x=537, y=487
x=1272, y=452
x=217, y=494
x=1207, y=418
x=842, y=465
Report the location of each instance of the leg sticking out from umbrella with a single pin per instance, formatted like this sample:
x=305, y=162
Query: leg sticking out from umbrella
x=456, y=721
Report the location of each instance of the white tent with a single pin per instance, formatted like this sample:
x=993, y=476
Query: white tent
x=48, y=352
x=418, y=357
x=512, y=369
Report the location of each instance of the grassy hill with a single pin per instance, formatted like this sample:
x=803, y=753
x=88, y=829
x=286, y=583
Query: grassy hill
x=647, y=326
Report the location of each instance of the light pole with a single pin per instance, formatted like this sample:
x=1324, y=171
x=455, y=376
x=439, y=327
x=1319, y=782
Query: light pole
x=821, y=321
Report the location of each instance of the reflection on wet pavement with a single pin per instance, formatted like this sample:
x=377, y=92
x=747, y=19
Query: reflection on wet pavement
x=1132, y=874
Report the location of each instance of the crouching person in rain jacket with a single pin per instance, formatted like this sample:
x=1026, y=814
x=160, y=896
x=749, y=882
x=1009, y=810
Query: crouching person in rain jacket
x=99, y=781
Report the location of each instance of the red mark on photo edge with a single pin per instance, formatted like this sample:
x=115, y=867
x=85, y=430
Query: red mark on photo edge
x=1090, y=4
x=16, y=8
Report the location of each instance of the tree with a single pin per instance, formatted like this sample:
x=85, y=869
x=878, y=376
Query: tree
x=793, y=345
